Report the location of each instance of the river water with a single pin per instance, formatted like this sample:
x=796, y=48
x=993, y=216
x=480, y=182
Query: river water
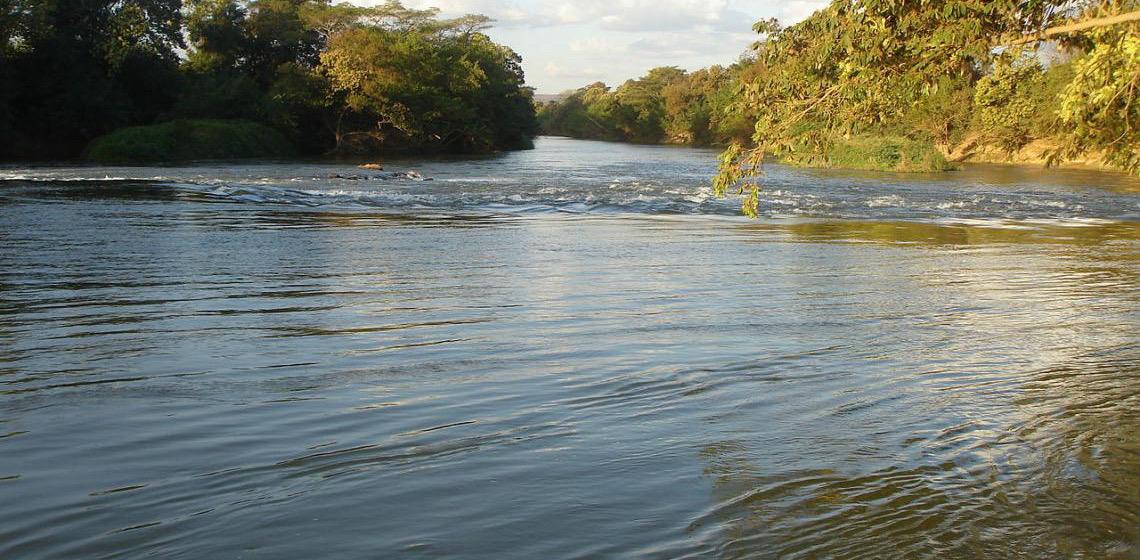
x=572, y=352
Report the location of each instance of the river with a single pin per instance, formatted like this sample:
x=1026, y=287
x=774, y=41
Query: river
x=571, y=352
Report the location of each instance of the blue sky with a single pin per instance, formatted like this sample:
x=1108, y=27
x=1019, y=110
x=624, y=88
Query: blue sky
x=569, y=43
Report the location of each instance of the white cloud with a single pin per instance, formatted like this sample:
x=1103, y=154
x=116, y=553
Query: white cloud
x=625, y=15
x=597, y=46
x=557, y=71
x=568, y=43
x=798, y=10
x=674, y=46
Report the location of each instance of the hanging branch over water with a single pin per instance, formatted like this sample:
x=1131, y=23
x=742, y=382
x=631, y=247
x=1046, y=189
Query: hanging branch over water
x=879, y=84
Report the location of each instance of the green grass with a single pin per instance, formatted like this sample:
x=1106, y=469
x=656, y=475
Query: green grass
x=871, y=153
x=185, y=140
x=887, y=153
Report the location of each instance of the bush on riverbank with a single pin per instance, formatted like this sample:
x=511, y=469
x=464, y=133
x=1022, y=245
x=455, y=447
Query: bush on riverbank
x=887, y=154
x=185, y=140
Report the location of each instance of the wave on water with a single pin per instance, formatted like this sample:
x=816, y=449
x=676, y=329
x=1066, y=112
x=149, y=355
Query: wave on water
x=680, y=190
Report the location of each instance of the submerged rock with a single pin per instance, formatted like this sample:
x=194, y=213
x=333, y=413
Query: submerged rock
x=394, y=175
x=412, y=175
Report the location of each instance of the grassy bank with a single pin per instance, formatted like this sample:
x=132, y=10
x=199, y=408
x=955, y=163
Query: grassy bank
x=875, y=153
x=185, y=140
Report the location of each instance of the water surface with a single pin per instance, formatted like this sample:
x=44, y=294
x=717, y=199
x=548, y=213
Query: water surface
x=573, y=352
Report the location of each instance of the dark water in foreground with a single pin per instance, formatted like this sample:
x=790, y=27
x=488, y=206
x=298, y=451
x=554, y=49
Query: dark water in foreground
x=567, y=353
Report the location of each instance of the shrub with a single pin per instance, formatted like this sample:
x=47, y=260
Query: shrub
x=887, y=154
x=1006, y=107
x=942, y=114
x=184, y=140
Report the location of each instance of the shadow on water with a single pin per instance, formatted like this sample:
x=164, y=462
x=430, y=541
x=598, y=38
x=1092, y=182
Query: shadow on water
x=94, y=189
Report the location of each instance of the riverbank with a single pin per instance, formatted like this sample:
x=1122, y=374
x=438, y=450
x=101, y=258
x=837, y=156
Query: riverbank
x=1036, y=153
x=187, y=140
x=903, y=156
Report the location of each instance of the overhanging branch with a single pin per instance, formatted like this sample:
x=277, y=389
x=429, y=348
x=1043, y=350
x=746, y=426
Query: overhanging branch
x=1076, y=28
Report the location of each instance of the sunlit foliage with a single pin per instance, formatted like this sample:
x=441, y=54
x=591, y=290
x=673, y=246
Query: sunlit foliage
x=423, y=82
x=1100, y=108
x=934, y=71
x=665, y=105
x=76, y=69
x=1005, y=104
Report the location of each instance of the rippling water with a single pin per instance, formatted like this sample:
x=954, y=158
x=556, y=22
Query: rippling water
x=573, y=352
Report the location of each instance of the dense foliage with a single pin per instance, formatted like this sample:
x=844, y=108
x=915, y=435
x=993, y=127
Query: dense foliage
x=329, y=77
x=1100, y=107
x=185, y=140
x=938, y=71
x=665, y=105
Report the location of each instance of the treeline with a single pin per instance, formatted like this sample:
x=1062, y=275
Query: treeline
x=907, y=86
x=214, y=77
x=956, y=75
x=666, y=105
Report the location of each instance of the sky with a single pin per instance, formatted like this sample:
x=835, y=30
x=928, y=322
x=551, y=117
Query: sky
x=566, y=44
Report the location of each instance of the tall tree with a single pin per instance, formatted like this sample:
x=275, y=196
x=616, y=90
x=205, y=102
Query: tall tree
x=414, y=82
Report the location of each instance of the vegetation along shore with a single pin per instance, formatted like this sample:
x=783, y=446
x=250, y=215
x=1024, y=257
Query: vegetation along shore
x=866, y=84
x=899, y=86
x=198, y=79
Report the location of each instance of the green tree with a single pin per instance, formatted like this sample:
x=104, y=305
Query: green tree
x=854, y=67
x=216, y=29
x=1005, y=104
x=666, y=105
x=75, y=69
x=1100, y=108
x=410, y=81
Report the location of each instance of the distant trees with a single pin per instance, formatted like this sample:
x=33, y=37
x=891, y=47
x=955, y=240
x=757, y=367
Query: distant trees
x=665, y=105
x=331, y=77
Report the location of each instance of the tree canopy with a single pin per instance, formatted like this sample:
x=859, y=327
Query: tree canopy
x=330, y=77
x=938, y=71
x=666, y=105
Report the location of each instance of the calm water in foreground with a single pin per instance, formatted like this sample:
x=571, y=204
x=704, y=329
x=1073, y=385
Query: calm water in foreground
x=573, y=352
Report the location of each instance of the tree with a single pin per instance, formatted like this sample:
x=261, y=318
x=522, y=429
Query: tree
x=853, y=67
x=1100, y=108
x=413, y=82
x=1004, y=101
x=667, y=104
x=75, y=69
x=217, y=34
